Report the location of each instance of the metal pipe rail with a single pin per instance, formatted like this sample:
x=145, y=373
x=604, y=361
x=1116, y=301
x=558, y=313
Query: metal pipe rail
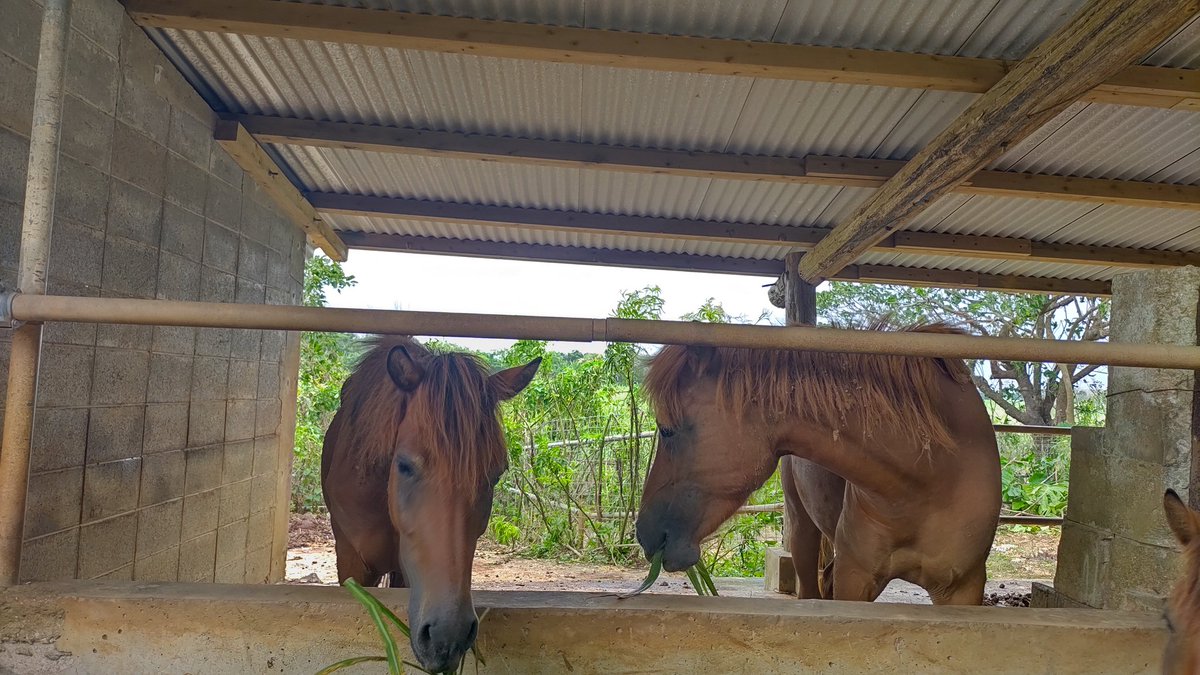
x=38, y=308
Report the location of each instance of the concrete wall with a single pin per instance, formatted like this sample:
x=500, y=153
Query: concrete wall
x=157, y=452
x=1116, y=551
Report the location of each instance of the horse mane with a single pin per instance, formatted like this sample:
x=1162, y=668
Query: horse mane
x=823, y=388
x=454, y=409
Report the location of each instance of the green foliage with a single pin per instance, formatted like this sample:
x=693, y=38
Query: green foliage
x=1035, y=482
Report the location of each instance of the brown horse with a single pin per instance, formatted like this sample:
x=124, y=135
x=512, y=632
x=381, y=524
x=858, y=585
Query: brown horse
x=1183, y=609
x=909, y=437
x=408, y=470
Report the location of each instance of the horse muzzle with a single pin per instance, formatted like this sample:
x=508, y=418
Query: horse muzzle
x=440, y=641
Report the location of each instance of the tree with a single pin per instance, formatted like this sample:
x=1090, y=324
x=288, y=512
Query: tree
x=1031, y=393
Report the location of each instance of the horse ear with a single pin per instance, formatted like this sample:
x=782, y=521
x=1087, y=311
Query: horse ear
x=508, y=383
x=1184, y=522
x=404, y=369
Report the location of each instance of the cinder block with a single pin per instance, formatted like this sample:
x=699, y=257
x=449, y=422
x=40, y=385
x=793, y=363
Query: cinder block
x=223, y=206
x=252, y=261
x=106, y=545
x=272, y=345
x=1142, y=575
x=65, y=376
x=263, y=490
x=239, y=419
x=210, y=378
x=162, y=477
x=247, y=344
x=130, y=268
x=183, y=232
x=161, y=566
x=1084, y=554
x=200, y=513
x=10, y=236
x=258, y=566
x=213, y=342
x=166, y=427
x=175, y=340
x=278, y=265
x=57, y=332
x=186, y=184
x=91, y=73
x=50, y=558
x=115, y=433
x=121, y=376
x=281, y=236
x=204, y=467
x=16, y=106
x=278, y=296
x=266, y=452
x=75, y=253
x=140, y=105
x=206, y=423
x=231, y=543
x=134, y=213
x=122, y=573
x=159, y=527
x=170, y=378
x=101, y=21
x=14, y=153
x=111, y=488
x=59, y=438
x=216, y=286
x=82, y=194
x=239, y=462
x=191, y=139
x=268, y=418
x=197, y=558
x=243, y=380
x=52, y=501
x=222, y=167
x=250, y=292
x=87, y=133
x=142, y=161
x=20, y=31
x=124, y=337
x=255, y=214
x=233, y=572
x=268, y=380
x=220, y=244
x=235, y=503
x=779, y=574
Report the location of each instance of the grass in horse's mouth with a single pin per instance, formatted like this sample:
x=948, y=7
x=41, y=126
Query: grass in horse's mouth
x=701, y=580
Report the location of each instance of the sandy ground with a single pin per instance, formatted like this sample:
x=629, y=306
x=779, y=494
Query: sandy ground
x=1017, y=559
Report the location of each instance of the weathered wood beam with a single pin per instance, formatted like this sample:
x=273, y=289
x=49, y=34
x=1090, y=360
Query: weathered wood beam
x=881, y=274
x=1094, y=45
x=1136, y=86
x=786, y=237
x=813, y=169
x=249, y=155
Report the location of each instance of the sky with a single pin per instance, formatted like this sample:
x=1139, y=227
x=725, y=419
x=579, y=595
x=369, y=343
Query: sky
x=422, y=282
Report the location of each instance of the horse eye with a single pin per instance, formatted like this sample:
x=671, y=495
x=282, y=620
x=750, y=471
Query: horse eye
x=405, y=468
x=666, y=433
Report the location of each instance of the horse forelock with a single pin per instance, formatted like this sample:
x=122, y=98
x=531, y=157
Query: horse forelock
x=888, y=392
x=454, y=411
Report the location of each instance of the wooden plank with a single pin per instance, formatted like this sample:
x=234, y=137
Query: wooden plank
x=787, y=237
x=249, y=155
x=595, y=47
x=700, y=263
x=1096, y=44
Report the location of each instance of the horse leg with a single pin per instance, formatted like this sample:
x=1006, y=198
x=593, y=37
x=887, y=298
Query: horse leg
x=396, y=579
x=967, y=590
x=350, y=564
x=855, y=582
x=803, y=537
x=826, y=575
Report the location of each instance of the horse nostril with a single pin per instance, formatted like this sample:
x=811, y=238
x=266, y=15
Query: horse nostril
x=425, y=635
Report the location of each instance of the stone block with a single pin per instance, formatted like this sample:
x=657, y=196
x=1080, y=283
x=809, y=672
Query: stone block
x=115, y=433
x=1045, y=597
x=213, y=342
x=107, y=545
x=159, y=527
x=170, y=378
x=210, y=378
x=111, y=489
x=134, y=213
x=65, y=376
x=231, y=542
x=239, y=462
x=53, y=501
x=183, y=232
x=269, y=385
x=206, y=423
x=217, y=286
x=130, y=269
x=247, y=345
x=82, y=195
x=1084, y=554
x=258, y=566
x=14, y=153
x=234, y=504
x=1157, y=424
x=87, y=133
x=74, y=253
x=139, y=159
x=166, y=427
x=197, y=558
x=250, y=292
x=20, y=31
x=59, y=439
x=266, y=453
x=50, y=558
x=191, y=139
x=204, y=467
x=91, y=73
x=162, y=477
x=779, y=575
x=161, y=566
x=121, y=376
x=125, y=337
x=233, y=572
x=239, y=419
x=200, y=513
x=174, y=340
x=1142, y=574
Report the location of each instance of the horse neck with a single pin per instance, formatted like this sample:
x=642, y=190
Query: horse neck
x=878, y=464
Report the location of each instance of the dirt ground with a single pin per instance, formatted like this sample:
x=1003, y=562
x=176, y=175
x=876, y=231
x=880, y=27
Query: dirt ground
x=1017, y=559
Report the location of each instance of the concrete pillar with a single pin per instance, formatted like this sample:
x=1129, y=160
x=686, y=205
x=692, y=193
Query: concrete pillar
x=1116, y=551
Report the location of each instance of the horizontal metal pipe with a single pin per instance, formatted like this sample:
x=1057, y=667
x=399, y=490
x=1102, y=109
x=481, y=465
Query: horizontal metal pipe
x=285, y=317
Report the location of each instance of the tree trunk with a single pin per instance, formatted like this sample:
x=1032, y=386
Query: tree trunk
x=1065, y=402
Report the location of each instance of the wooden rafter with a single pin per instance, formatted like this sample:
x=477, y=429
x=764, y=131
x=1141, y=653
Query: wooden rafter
x=1094, y=45
x=881, y=274
x=1135, y=85
x=813, y=169
x=786, y=237
x=249, y=155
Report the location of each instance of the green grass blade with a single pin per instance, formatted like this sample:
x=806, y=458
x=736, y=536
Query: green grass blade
x=346, y=663
x=706, y=577
x=363, y=596
x=696, y=584
x=651, y=577
x=372, y=606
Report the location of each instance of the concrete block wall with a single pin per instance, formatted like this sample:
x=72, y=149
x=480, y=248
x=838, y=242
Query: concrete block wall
x=158, y=452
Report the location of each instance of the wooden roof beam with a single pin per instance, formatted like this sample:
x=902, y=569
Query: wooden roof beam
x=1094, y=45
x=786, y=237
x=1136, y=85
x=876, y=274
x=813, y=169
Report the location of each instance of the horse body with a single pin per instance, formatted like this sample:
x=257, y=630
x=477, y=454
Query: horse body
x=892, y=459
x=408, y=469
x=1182, y=656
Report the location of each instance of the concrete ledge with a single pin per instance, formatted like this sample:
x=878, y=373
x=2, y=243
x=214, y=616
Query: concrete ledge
x=204, y=628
